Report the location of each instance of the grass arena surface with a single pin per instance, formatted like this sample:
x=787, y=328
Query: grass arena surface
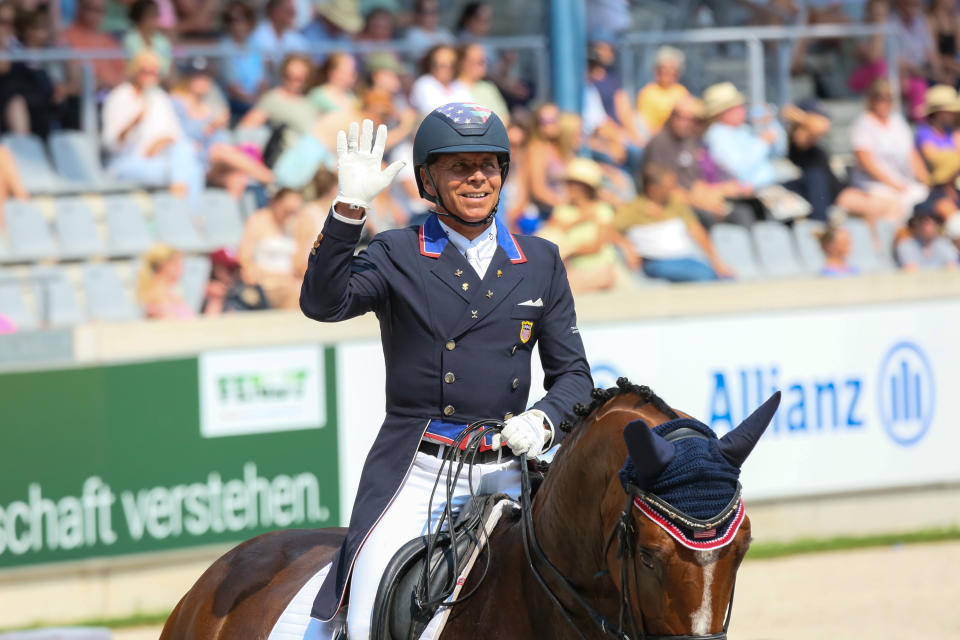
x=840, y=588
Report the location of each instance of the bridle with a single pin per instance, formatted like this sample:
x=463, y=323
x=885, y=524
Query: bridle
x=625, y=532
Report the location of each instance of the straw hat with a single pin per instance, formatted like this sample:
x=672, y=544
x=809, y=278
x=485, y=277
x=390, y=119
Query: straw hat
x=586, y=171
x=720, y=97
x=343, y=13
x=383, y=61
x=941, y=97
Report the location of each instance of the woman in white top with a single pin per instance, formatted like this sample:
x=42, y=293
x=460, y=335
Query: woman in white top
x=438, y=84
x=143, y=134
x=273, y=238
x=887, y=161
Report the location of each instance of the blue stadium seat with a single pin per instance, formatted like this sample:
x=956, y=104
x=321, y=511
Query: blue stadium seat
x=127, y=229
x=775, y=249
x=76, y=157
x=886, y=235
x=175, y=226
x=107, y=298
x=221, y=218
x=196, y=274
x=733, y=246
x=29, y=234
x=863, y=250
x=12, y=302
x=77, y=230
x=808, y=245
x=31, y=158
x=56, y=297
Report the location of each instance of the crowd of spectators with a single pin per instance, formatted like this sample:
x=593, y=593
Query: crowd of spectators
x=628, y=187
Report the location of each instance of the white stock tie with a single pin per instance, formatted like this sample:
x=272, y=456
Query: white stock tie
x=472, y=255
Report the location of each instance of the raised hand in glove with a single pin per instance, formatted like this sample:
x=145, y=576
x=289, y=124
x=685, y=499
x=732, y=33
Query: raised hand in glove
x=359, y=162
x=525, y=434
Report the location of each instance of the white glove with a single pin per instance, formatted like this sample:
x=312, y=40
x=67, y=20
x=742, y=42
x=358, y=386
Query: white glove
x=359, y=162
x=524, y=433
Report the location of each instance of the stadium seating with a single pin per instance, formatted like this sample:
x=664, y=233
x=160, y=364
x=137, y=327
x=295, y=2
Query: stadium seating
x=55, y=297
x=196, y=274
x=175, y=224
x=733, y=246
x=77, y=229
x=808, y=246
x=76, y=157
x=886, y=238
x=107, y=298
x=222, y=222
x=34, y=167
x=29, y=236
x=127, y=230
x=775, y=249
x=863, y=251
x=12, y=303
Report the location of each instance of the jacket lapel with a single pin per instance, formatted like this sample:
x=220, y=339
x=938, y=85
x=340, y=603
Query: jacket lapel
x=454, y=271
x=501, y=278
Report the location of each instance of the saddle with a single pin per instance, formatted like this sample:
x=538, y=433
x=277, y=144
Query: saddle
x=396, y=614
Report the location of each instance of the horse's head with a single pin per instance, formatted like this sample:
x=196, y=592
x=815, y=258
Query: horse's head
x=672, y=527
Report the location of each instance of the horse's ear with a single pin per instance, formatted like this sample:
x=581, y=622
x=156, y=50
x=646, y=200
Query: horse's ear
x=650, y=453
x=737, y=445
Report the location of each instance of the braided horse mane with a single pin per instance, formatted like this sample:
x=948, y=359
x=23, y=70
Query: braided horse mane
x=599, y=397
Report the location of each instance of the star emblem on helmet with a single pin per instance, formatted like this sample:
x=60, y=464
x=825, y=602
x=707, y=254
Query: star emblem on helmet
x=465, y=113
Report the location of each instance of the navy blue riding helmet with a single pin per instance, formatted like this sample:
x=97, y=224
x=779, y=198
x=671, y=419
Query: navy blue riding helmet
x=455, y=128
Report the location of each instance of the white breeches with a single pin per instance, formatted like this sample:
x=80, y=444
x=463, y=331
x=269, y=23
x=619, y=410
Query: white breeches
x=406, y=518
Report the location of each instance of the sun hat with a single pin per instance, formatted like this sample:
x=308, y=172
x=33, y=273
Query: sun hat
x=586, y=171
x=940, y=97
x=383, y=61
x=343, y=13
x=721, y=97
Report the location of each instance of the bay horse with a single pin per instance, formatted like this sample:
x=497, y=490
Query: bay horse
x=626, y=531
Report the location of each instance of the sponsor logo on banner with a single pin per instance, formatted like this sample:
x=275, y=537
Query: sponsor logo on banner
x=261, y=390
x=906, y=393
x=865, y=403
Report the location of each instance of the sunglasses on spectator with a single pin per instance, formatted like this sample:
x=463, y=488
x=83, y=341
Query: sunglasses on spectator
x=548, y=120
x=235, y=17
x=883, y=97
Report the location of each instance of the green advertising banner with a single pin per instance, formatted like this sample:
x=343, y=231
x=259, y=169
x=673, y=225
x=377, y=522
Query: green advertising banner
x=162, y=455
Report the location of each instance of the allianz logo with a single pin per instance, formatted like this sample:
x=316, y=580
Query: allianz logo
x=903, y=386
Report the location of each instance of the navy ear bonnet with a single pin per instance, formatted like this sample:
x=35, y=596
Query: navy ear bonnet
x=698, y=481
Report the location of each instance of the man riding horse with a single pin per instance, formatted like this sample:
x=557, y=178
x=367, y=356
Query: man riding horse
x=461, y=303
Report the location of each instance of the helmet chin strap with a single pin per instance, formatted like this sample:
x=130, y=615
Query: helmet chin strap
x=446, y=209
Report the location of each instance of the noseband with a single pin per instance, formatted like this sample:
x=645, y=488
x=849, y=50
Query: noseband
x=625, y=531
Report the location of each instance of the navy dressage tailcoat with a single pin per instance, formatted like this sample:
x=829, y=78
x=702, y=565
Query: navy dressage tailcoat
x=457, y=348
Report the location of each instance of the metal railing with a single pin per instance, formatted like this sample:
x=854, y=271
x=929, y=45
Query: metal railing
x=634, y=47
x=535, y=67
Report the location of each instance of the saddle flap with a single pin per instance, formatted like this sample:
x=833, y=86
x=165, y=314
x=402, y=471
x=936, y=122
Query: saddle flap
x=396, y=615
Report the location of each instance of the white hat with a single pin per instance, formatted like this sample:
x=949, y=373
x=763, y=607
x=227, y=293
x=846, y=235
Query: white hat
x=720, y=97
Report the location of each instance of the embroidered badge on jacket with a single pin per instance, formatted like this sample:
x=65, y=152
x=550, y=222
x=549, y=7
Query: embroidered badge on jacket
x=526, y=329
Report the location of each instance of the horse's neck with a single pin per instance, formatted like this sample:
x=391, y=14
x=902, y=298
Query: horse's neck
x=566, y=514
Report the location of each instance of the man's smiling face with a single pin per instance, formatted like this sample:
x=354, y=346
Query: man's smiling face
x=469, y=184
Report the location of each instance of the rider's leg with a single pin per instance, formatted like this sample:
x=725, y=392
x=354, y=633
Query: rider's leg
x=406, y=518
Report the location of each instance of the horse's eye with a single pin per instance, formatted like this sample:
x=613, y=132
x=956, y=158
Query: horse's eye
x=646, y=557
